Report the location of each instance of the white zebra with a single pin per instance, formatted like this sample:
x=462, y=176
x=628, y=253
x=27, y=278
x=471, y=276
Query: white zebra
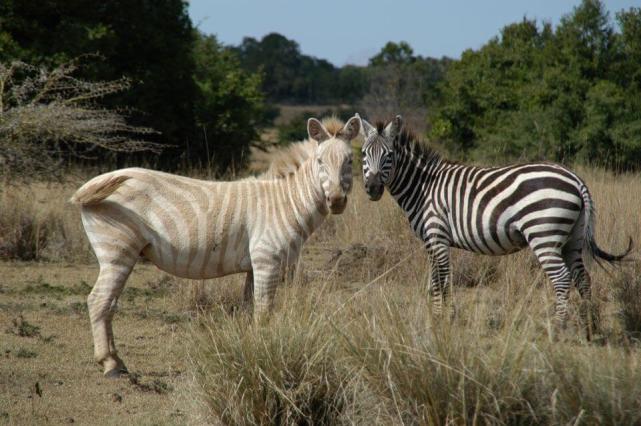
x=200, y=229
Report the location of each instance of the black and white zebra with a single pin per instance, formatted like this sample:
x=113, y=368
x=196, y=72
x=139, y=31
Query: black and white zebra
x=494, y=211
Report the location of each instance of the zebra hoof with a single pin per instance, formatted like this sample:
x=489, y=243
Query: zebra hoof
x=116, y=373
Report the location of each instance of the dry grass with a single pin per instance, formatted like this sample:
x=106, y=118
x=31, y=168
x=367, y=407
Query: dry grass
x=351, y=339
x=38, y=223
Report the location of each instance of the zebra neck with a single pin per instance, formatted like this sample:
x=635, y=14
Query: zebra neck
x=412, y=170
x=308, y=200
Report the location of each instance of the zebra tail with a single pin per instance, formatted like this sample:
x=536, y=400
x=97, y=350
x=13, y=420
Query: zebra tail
x=95, y=192
x=590, y=243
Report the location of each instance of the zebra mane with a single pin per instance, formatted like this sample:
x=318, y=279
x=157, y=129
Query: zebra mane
x=408, y=140
x=286, y=161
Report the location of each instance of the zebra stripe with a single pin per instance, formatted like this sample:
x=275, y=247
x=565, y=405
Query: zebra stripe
x=199, y=229
x=493, y=211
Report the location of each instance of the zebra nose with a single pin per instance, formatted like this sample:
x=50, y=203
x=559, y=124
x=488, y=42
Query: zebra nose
x=336, y=199
x=373, y=185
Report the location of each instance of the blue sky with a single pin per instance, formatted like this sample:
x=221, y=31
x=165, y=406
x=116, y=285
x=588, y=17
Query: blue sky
x=351, y=31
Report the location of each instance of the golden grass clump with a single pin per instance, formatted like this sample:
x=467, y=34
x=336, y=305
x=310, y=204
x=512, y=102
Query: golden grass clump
x=37, y=223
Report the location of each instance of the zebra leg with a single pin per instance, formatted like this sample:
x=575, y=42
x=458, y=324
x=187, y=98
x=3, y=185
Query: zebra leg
x=573, y=255
x=249, y=288
x=440, y=277
x=267, y=274
x=554, y=266
x=101, y=304
x=581, y=279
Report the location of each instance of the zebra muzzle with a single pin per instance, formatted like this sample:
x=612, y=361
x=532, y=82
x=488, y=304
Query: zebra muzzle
x=337, y=204
x=375, y=192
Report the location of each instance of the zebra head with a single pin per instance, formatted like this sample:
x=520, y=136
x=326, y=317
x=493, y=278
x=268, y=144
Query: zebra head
x=333, y=159
x=378, y=156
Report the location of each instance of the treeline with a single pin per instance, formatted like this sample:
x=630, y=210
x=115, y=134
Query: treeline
x=206, y=101
x=290, y=76
x=570, y=93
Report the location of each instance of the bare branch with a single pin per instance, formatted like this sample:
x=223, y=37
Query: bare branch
x=45, y=114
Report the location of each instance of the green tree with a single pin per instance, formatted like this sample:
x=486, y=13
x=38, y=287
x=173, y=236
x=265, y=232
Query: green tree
x=399, y=81
x=291, y=77
x=393, y=53
x=229, y=107
x=536, y=93
x=148, y=42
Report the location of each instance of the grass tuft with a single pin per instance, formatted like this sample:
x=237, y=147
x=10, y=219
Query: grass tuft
x=25, y=353
x=627, y=292
x=282, y=371
x=23, y=328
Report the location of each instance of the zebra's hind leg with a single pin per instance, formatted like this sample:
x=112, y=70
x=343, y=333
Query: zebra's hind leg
x=101, y=303
x=581, y=279
x=440, y=277
x=553, y=264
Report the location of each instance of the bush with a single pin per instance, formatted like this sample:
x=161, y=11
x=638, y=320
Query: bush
x=47, y=115
x=384, y=360
x=36, y=223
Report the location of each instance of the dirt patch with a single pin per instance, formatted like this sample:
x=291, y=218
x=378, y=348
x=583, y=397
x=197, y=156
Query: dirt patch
x=47, y=371
x=353, y=263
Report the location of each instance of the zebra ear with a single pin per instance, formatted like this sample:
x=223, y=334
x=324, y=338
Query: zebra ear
x=316, y=130
x=393, y=128
x=351, y=129
x=368, y=129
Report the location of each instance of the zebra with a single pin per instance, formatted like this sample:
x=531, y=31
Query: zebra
x=201, y=229
x=492, y=211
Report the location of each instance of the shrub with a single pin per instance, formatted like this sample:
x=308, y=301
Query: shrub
x=46, y=115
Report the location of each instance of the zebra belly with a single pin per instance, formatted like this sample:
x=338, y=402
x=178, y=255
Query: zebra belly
x=510, y=241
x=220, y=260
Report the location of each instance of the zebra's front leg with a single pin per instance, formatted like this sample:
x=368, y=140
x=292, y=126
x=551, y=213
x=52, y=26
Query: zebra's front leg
x=267, y=273
x=440, y=277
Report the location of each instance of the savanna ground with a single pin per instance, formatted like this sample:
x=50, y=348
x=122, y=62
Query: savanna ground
x=351, y=339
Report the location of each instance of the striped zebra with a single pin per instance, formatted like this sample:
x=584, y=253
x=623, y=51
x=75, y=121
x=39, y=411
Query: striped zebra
x=491, y=211
x=200, y=229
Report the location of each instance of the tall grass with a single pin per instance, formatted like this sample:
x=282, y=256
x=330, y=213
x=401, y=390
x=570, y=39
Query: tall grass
x=352, y=340
x=361, y=347
x=384, y=359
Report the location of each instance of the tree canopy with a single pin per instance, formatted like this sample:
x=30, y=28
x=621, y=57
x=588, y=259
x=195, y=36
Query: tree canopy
x=170, y=66
x=571, y=93
x=292, y=77
x=565, y=93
